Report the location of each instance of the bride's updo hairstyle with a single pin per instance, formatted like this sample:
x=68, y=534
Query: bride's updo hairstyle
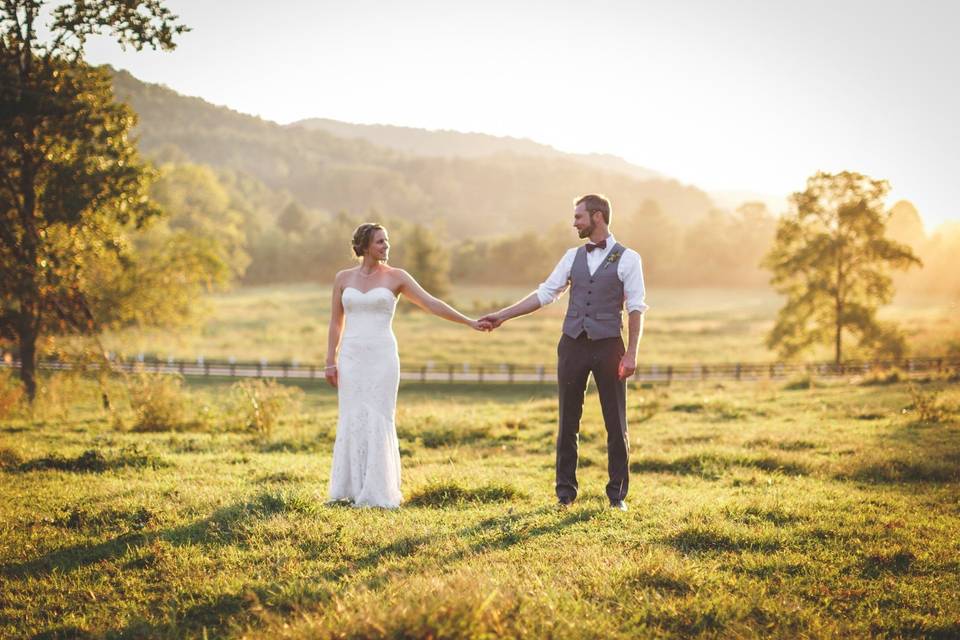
x=362, y=237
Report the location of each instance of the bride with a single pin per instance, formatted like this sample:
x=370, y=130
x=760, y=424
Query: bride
x=366, y=454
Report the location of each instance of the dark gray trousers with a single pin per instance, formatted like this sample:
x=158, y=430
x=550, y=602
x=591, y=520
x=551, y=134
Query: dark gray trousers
x=577, y=359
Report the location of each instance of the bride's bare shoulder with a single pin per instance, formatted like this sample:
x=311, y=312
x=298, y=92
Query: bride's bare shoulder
x=399, y=276
x=344, y=276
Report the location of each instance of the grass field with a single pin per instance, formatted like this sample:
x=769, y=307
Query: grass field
x=683, y=326
x=756, y=511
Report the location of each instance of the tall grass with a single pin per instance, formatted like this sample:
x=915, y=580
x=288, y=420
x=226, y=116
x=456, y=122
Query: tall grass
x=755, y=511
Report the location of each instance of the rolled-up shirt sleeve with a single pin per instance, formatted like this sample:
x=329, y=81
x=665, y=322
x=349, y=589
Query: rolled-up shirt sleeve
x=558, y=280
x=630, y=271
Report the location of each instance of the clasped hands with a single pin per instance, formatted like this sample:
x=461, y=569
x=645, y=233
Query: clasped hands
x=487, y=323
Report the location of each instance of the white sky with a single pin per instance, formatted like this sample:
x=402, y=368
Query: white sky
x=726, y=94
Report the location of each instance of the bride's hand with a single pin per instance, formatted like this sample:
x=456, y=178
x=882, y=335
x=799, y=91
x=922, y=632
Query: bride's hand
x=331, y=374
x=479, y=326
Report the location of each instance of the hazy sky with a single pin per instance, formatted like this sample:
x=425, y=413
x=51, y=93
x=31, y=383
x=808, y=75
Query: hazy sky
x=733, y=95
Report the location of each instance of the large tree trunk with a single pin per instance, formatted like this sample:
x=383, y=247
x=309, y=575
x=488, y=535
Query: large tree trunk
x=28, y=360
x=838, y=337
x=838, y=307
x=836, y=347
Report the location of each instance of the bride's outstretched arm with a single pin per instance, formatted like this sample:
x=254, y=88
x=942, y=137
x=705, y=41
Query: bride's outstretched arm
x=419, y=296
x=333, y=334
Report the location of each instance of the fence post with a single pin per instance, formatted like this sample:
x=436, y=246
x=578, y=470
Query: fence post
x=703, y=371
x=313, y=371
x=480, y=374
x=450, y=373
x=510, y=373
x=285, y=367
x=738, y=371
x=423, y=373
x=669, y=374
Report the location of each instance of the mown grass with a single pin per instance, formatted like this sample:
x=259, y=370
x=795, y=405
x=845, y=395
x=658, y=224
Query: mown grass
x=755, y=512
x=286, y=323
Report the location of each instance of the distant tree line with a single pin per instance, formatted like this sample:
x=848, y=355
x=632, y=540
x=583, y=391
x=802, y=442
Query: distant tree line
x=269, y=237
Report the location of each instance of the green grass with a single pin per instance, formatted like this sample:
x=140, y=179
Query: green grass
x=684, y=325
x=755, y=511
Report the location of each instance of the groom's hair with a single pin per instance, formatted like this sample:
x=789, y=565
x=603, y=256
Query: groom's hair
x=362, y=237
x=594, y=202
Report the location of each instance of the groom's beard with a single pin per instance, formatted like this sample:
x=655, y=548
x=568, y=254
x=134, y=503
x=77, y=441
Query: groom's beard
x=585, y=233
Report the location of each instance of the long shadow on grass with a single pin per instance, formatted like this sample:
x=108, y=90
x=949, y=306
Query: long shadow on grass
x=224, y=526
x=497, y=533
x=227, y=525
x=244, y=606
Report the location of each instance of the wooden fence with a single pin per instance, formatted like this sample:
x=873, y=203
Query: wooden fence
x=512, y=373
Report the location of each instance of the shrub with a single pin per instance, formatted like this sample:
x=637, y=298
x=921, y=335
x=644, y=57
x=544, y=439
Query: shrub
x=801, y=383
x=883, y=377
x=258, y=404
x=926, y=406
x=159, y=403
x=9, y=458
x=11, y=394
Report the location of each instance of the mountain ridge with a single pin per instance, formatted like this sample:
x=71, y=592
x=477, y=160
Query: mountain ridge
x=453, y=143
x=467, y=196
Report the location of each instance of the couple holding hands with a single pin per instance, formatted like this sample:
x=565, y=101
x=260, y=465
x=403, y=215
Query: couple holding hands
x=363, y=363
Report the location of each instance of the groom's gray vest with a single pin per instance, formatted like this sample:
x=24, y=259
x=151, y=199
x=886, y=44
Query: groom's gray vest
x=595, y=300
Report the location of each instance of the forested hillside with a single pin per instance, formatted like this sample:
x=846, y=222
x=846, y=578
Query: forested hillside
x=470, y=196
x=484, y=209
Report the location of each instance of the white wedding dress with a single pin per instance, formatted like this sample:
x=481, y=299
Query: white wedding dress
x=366, y=453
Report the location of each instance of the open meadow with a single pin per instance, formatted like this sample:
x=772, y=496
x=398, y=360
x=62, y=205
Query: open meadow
x=289, y=323
x=816, y=510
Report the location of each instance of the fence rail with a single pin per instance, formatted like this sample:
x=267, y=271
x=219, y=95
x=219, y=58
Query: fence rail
x=512, y=373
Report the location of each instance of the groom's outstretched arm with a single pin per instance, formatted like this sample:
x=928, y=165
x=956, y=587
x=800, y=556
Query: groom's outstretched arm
x=548, y=292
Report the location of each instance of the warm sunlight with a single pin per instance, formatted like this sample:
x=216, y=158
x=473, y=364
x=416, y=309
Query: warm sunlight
x=747, y=97
x=499, y=319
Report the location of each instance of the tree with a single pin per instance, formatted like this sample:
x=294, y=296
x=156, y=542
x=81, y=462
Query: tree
x=293, y=219
x=70, y=179
x=726, y=248
x=655, y=236
x=905, y=225
x=831, y=260
x=426, y=259
x=196, y=202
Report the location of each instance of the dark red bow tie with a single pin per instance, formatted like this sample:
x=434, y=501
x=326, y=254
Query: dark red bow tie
x=600, y=245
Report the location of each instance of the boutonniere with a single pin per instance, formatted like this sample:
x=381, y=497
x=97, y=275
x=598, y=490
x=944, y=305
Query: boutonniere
x=613, y=256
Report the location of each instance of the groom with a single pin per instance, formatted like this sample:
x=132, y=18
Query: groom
x=603, y=276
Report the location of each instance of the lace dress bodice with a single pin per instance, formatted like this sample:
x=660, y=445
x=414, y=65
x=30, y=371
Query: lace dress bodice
x=369, y=314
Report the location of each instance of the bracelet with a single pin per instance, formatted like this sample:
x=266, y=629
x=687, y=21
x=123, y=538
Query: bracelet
x=330, y=366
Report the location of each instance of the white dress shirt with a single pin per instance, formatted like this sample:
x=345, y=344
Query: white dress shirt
x=629, y=270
